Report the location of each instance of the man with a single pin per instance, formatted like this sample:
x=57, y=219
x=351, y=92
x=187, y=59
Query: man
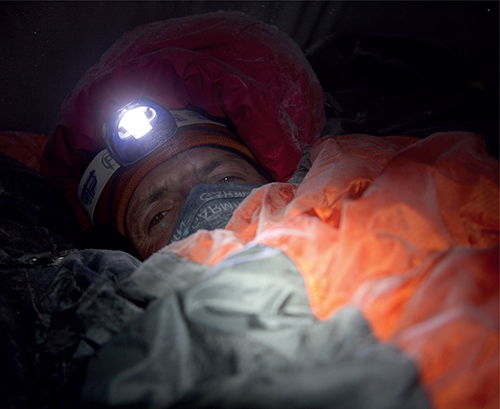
x=145, y=199
x=256, y=81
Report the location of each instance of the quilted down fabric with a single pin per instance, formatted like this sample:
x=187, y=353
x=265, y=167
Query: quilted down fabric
x=227, y=63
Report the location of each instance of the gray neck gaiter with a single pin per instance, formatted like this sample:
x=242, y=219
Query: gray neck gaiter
x=210, y=206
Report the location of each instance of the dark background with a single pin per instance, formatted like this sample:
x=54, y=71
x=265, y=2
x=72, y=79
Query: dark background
x=46, y=46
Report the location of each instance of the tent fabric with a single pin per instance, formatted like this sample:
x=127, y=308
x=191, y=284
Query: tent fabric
x=227, y=63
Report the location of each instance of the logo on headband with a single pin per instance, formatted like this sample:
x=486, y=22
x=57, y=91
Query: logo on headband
x=88, y=189
x=100, y=170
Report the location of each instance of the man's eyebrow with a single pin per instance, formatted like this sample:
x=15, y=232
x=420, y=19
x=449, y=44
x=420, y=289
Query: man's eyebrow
x=209, y=167
x=153, y=196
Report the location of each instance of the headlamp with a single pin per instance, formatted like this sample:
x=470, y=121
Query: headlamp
x=137, y=130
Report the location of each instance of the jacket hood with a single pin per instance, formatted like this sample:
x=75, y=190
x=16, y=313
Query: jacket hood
x=227, y=63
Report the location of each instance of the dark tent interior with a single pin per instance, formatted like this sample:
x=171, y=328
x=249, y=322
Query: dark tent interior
x=50, y=44
x=409, y=68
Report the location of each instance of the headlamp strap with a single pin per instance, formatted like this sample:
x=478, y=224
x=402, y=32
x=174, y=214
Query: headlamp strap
x=94, y=180
x=186, y=117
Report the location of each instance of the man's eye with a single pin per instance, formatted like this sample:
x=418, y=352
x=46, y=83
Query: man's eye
x=156, y=219
x=229, y=179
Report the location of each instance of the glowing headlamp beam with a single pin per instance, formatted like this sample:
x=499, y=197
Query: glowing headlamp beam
x=136, y=122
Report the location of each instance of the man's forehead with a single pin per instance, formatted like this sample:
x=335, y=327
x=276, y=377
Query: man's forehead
x=199, y=161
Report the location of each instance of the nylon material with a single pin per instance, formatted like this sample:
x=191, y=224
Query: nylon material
x=360, y=146
x=253, y=298
x=185, y=32
x=266, y=208
x=293, y=237
x=294, y=138
x=329, y=199
x=300, y=113
x=152, y=281
x=463, y=192
x=347, y=261
x=160, y=342
x=450, y=333
x=476, y=212
x=207, y=247
x=413, y=289
x=449, y=378
x=343, y=165
x=423, y=238
x=473, y=270
x=362, y=225
x=459, y=146
x=273, y=207
x=388, y=296
x=359, y=262
x=443, y=198
x=269, y=209
x=406, y=223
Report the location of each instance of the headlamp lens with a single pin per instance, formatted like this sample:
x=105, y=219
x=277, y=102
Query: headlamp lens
x=136, y=122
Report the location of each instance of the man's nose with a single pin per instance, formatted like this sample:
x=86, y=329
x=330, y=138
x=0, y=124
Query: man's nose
x=187, y=183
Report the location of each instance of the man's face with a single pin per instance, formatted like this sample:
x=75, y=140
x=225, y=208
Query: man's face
x=157, y=201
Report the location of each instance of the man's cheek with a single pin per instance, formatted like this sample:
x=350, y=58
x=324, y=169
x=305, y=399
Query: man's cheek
x=153, y=244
